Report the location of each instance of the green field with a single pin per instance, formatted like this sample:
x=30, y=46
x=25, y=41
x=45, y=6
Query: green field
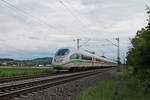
x=9, y=72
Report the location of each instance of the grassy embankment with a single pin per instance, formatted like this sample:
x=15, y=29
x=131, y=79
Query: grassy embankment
x=123, y=87
x=10, y=72
x=102, y=90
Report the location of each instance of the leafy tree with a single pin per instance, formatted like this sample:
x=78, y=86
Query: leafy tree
x=139, y=55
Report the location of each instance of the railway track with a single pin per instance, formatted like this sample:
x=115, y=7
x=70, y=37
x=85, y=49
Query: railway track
x=16, y=90
x=17, y=78
x=26, y=77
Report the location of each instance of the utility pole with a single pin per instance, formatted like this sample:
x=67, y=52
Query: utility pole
x=78, y=44
x=118, y=51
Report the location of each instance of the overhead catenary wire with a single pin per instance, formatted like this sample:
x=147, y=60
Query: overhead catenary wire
x=82, y=18
x=13, y=7
x=85, y=43
x=74, y=15
x=8, y=4
x=32, y=16
x=78, y=18
x=62, y=3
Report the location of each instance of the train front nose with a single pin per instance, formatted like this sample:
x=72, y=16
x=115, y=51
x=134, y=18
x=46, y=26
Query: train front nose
x=60, y=56
x=58, y=60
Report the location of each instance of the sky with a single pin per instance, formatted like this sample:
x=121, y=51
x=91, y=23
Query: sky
x=37, y=28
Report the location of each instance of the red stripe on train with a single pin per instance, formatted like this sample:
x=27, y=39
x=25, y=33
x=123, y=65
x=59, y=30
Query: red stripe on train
x=96, y=62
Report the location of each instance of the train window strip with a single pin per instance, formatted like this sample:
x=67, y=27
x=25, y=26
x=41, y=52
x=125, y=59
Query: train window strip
x=86, y=57
x=98, y=59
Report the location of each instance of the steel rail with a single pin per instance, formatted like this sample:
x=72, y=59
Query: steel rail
x=17, y=78
x=21, y=89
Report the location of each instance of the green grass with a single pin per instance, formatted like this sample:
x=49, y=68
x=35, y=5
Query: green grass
x=123, y=87
x=9, y=72
x=129, y=88
x=102, y=90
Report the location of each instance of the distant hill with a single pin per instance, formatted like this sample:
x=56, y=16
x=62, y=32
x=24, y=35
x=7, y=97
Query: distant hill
x=42, y=61
x=34, y=62
x=6, y=59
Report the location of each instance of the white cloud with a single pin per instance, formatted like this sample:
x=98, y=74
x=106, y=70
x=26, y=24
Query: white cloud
x=53, y=25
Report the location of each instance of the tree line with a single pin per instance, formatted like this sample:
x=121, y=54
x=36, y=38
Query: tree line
x=138, y=56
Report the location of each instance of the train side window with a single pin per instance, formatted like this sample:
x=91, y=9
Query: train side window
x=74, y=56
x=98, y=59
x=77, y=56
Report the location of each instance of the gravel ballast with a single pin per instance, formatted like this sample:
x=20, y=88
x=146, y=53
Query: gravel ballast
x=68, y=90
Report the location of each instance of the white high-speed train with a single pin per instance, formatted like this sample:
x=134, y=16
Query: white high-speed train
x=70, y=58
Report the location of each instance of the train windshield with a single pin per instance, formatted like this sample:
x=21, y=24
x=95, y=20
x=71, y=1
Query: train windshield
x=62, y=52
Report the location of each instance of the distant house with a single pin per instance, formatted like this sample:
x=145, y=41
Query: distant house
x=48, y=65
x=4, y=64
x=40, y=65
x=14, y=65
